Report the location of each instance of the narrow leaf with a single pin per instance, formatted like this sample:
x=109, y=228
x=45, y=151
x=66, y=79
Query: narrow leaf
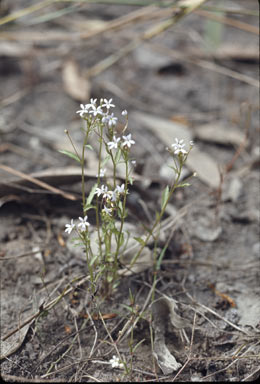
x=71, y=154
x=91, y=194
x=165, y=197
x=183, y=185
x=118, y=156
x=89, y=147
x=105, y=161
x=140, y=240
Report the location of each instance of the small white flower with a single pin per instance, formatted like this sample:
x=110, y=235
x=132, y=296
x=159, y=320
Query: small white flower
x=83, y=223
x=178, y=147
x=114, y=143
x=128, y=141
x=133, y=162
x=108, y=103
x=69, y=227
x=113, y=195
x=112, y=120
x=102, y=172
x=124, y=113
x=107, y=210
x=105, y=118
x=83, y=110
x=107, y=194
x=115, y=362
x=120, y=189
x=191, y=143
x=103, y=191
x=93, y=102
x=96, y=110
x=100, y=191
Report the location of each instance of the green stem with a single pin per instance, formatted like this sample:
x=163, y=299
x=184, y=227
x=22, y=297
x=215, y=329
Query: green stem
x=122, y=217
x=97, y=201
x=83, y=167
x=157, y=221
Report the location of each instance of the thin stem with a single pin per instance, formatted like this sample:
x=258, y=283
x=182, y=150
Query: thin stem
x=122, y=216
x=68, y=134
x=97, y=201
x=83, y=166
x=157, y=221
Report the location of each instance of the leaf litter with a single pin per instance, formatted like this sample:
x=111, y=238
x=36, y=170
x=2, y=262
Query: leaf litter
x=214, y=256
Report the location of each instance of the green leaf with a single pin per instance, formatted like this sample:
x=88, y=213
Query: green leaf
x=71, y=154
x=137, y=345
x=91, y=195
x=159, y=261
x=131, y=181
x=183, y=185
x=87, y=207
x=93, y=259
x=118, y=155
x=89, y=147
x=140, y=240
x=105, y=161
x=165, y=197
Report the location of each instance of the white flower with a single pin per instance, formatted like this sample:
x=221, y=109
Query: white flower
x=120, y=189
x=108, y=103
x=103, y=191
x=105, y=118
x=83, y=110
x=102, y=172
x=128, y=141
x=107, y=210
x=112, y=120
x=109, y=119
x=100, y=191
x=92, y=102
x=69, y=227
x=114, y=143
x=133, y=162
x=113, y=195
x=96, y=110
x=115, y=362
x=178, y=147
x=83, y=223
x=124, y=113
x=191, y=143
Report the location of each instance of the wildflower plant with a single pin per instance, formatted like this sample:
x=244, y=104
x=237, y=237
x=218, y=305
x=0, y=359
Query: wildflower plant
x=108, y=198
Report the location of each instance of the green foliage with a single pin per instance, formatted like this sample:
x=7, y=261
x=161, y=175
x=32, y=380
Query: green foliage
x=71, y=154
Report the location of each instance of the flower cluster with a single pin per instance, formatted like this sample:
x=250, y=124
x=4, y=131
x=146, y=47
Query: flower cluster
x=109, y=197
x=97, y=110
x=178, y=147
x=127, y=142
x=115, y=362
x=82, y=225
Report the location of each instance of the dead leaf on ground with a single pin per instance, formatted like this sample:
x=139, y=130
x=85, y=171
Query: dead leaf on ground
x=76, y=85
x=14, y=49
x=13, y=343
x=217, y=132
x=164, y=309
x=205, y=166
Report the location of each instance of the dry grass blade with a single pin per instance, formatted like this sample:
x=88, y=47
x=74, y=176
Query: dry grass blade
x=186, y=8
x=228, y=21
x=46, y=307
x=37, y=182
x=25, y=11
x=207, y=65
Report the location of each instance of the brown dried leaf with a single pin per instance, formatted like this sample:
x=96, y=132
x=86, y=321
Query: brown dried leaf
x=76, y=85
